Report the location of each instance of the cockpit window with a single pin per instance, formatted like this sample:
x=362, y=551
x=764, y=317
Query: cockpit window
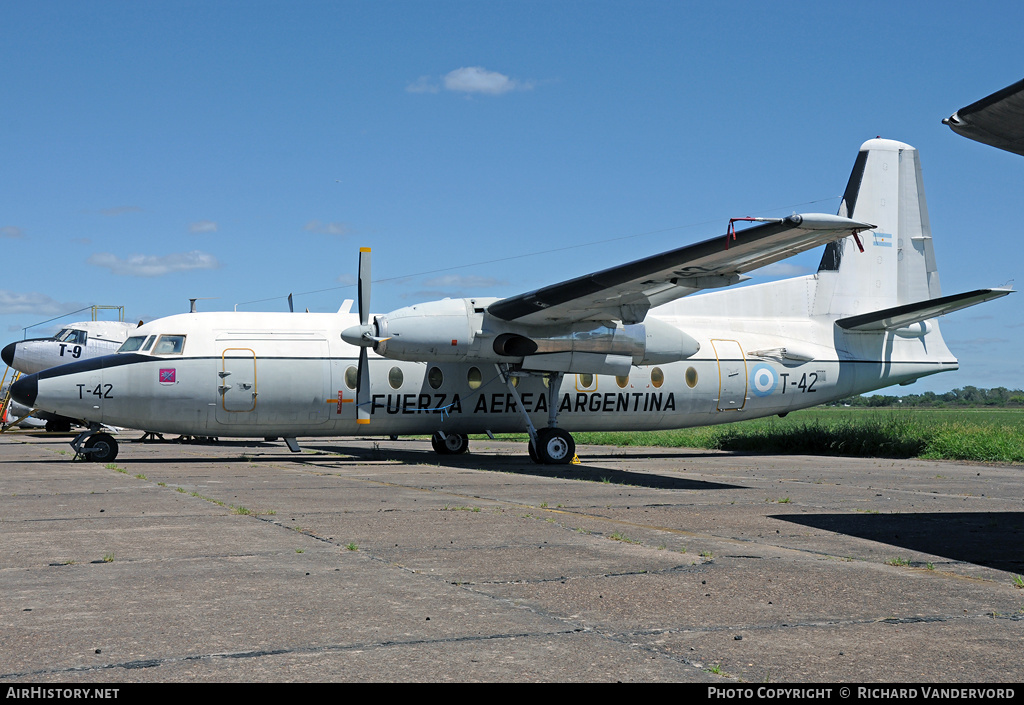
x=74, y=337
x=132, y=344
x=149, y=343
x=169, y=345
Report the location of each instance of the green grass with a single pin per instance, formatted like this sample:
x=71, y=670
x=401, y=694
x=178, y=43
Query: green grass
x=989, y=435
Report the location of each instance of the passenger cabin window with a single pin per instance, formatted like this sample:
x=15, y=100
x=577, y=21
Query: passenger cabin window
x=133, y=343
x=169, y=345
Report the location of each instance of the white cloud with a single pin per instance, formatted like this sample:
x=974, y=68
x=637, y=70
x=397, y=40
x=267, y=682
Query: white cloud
x=423, y=84
x=154, y=265
x=34, y=303
x=202, y=226
x=458, y=281
x=11, y=231
x=476, y=79
x=317, y=226
x=469, y=79
x=782, y=269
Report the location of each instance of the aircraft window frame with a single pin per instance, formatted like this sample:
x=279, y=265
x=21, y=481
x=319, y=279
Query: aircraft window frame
x=351, y=377
x=691, y=377
x=140, y=338
x=622, y=381
x=435, y=377
x=73, y=336
x=148, y=344
x=474, y=378
x=171, y=338
x=657, y=377
x=396, y=377
x=586, y=382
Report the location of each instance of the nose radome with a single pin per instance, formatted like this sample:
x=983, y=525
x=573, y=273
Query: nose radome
x=7, y=354
x=25, y=390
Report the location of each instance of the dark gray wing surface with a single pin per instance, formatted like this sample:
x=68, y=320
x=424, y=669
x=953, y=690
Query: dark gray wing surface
x=628, y=291
x=996, y=120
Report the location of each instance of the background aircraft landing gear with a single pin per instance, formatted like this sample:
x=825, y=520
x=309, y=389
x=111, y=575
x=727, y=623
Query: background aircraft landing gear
x=60, y=424
x=450, y=444
x=555, y=446
x=101, y=448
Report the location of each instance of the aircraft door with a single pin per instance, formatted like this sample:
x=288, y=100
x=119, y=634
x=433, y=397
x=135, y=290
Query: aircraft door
x=236, y=381
x=732, y=374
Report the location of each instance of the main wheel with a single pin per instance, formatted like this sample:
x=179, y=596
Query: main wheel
x=101, y=448
x=555, y=446
x=451, y=444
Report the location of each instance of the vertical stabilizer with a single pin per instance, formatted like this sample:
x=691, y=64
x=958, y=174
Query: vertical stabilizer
x=897, y=265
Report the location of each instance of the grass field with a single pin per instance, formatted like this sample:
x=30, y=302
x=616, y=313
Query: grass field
x=989, y=435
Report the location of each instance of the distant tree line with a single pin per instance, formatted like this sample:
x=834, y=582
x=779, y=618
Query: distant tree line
x=964, y=396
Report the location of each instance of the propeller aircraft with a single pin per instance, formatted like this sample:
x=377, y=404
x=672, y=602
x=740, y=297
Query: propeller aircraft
x=83, y=340
x=638, y=346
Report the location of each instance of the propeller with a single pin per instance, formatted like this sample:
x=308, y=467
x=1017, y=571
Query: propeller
x=363, y=337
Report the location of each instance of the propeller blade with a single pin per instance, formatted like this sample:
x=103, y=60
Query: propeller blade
x=363, y=389
x=364, y=286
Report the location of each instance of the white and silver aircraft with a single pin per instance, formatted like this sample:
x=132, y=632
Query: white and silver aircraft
x=83, y=340
x=620, y=349
x=77, y=341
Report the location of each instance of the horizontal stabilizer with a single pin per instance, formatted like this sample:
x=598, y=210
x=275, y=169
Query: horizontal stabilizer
x=909, y=314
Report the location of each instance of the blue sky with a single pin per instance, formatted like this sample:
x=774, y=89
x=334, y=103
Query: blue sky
x=153, y=152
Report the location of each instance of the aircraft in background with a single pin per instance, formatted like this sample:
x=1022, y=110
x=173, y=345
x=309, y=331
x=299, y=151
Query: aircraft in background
x=996, y=120
x=634, y=347
x=77, y=341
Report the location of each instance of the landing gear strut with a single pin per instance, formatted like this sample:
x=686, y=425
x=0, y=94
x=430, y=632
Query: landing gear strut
x=449, y=443
x=551, y=445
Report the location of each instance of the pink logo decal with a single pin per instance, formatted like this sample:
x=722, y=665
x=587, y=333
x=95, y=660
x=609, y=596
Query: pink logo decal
x=167, y=376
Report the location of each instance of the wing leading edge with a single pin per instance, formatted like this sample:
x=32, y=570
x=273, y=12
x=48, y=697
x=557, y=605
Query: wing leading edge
x=628, y=291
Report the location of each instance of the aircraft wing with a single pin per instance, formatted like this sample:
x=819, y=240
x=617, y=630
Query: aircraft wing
x=996, y=120
x=628, y=291
x=909, y=314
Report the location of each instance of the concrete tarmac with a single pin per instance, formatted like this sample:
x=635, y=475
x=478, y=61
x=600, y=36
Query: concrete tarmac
x=377, y=560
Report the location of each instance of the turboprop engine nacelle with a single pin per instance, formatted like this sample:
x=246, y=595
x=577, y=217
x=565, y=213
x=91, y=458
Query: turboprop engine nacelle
x=460, y=330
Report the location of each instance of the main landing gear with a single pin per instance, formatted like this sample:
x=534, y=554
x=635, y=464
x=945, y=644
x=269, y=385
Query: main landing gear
x=550, y=445
x=554, y=446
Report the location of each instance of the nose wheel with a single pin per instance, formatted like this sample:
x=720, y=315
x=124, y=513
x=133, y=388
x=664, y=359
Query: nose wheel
x=450, y=443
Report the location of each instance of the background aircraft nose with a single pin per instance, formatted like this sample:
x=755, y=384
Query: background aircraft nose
x=24, y=391
x=7, y=354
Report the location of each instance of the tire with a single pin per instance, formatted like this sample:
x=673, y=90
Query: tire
x=101, y=447
x=533, y=452
x=555, y=446
x=451, y=444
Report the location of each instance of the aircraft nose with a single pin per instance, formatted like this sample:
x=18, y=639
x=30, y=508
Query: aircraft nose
x=7, y=354
x=25, y=390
